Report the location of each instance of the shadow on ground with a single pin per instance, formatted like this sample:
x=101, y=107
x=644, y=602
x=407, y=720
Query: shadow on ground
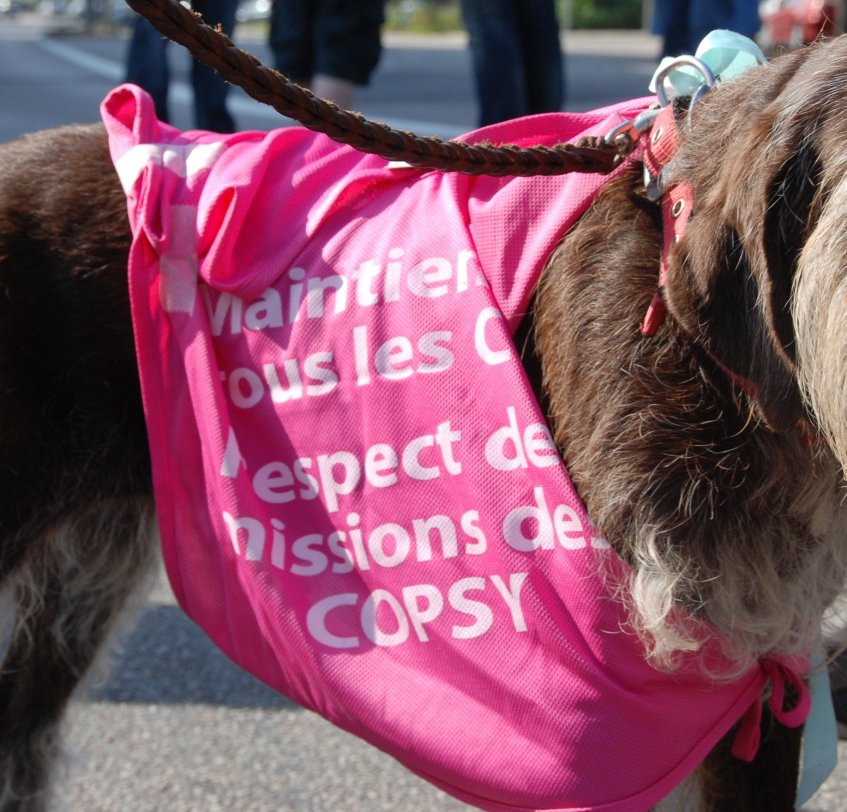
x=167, y=659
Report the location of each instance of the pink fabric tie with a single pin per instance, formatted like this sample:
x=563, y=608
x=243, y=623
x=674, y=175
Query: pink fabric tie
x=749, y=736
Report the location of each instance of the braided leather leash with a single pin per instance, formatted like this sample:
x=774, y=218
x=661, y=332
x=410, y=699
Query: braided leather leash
x=213, y=48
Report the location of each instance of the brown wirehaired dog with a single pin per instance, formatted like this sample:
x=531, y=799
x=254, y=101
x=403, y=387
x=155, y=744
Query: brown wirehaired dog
x=712, y=490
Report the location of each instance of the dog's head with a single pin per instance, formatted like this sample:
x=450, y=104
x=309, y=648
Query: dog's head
x=760, y=278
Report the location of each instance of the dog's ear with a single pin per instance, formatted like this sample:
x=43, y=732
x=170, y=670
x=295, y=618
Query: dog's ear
x=729, y=278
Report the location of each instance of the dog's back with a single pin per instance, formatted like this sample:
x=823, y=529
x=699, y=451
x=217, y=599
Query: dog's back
x=70, y=409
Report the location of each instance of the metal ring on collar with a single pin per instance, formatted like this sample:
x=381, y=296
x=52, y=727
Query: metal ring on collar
x=709, y=79
x=628, y=132
x=622, y=135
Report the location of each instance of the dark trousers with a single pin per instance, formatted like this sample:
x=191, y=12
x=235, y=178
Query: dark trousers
x=517, y=59
x=338, y=38
x=684, y=23
x=147, y=67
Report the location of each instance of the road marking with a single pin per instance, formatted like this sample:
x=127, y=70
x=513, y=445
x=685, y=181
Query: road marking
x=240, y=105
x=107, y=68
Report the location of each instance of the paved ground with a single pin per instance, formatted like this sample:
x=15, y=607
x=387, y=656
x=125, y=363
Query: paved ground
x=177, y=727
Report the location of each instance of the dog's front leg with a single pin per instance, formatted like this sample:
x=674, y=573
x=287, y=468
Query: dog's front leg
x=766, y=784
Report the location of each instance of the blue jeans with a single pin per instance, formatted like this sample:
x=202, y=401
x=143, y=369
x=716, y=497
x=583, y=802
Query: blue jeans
x=684, y=23
x=517, y=59
x=147, y=67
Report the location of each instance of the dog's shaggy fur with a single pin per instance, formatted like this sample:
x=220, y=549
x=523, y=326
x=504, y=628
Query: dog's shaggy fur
x=724, y=503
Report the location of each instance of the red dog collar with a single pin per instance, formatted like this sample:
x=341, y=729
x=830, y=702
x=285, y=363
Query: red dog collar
x=662, y=144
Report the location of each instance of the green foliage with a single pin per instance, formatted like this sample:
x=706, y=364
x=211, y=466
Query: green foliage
x=606, y=13
x=423, y=15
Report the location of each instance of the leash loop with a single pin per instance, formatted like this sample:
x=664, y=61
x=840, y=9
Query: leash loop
x=627, y=134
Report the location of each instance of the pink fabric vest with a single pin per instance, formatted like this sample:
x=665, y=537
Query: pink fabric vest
x=359, y=499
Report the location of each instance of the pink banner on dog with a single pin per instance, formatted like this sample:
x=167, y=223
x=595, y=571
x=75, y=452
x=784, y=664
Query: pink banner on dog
x=360, y=501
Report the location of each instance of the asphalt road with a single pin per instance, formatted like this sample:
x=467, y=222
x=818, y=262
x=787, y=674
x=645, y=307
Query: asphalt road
x=422, y=84
x=176, y=726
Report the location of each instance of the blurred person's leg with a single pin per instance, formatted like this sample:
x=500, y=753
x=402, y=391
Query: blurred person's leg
x=147, y=64
x=745, y=17
x=348, y=46
x=706, y=16
x=292, y=38
x=210, y=91
x=544, y=77
x=334, y=89
x=670, y=21
x=498, y=68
